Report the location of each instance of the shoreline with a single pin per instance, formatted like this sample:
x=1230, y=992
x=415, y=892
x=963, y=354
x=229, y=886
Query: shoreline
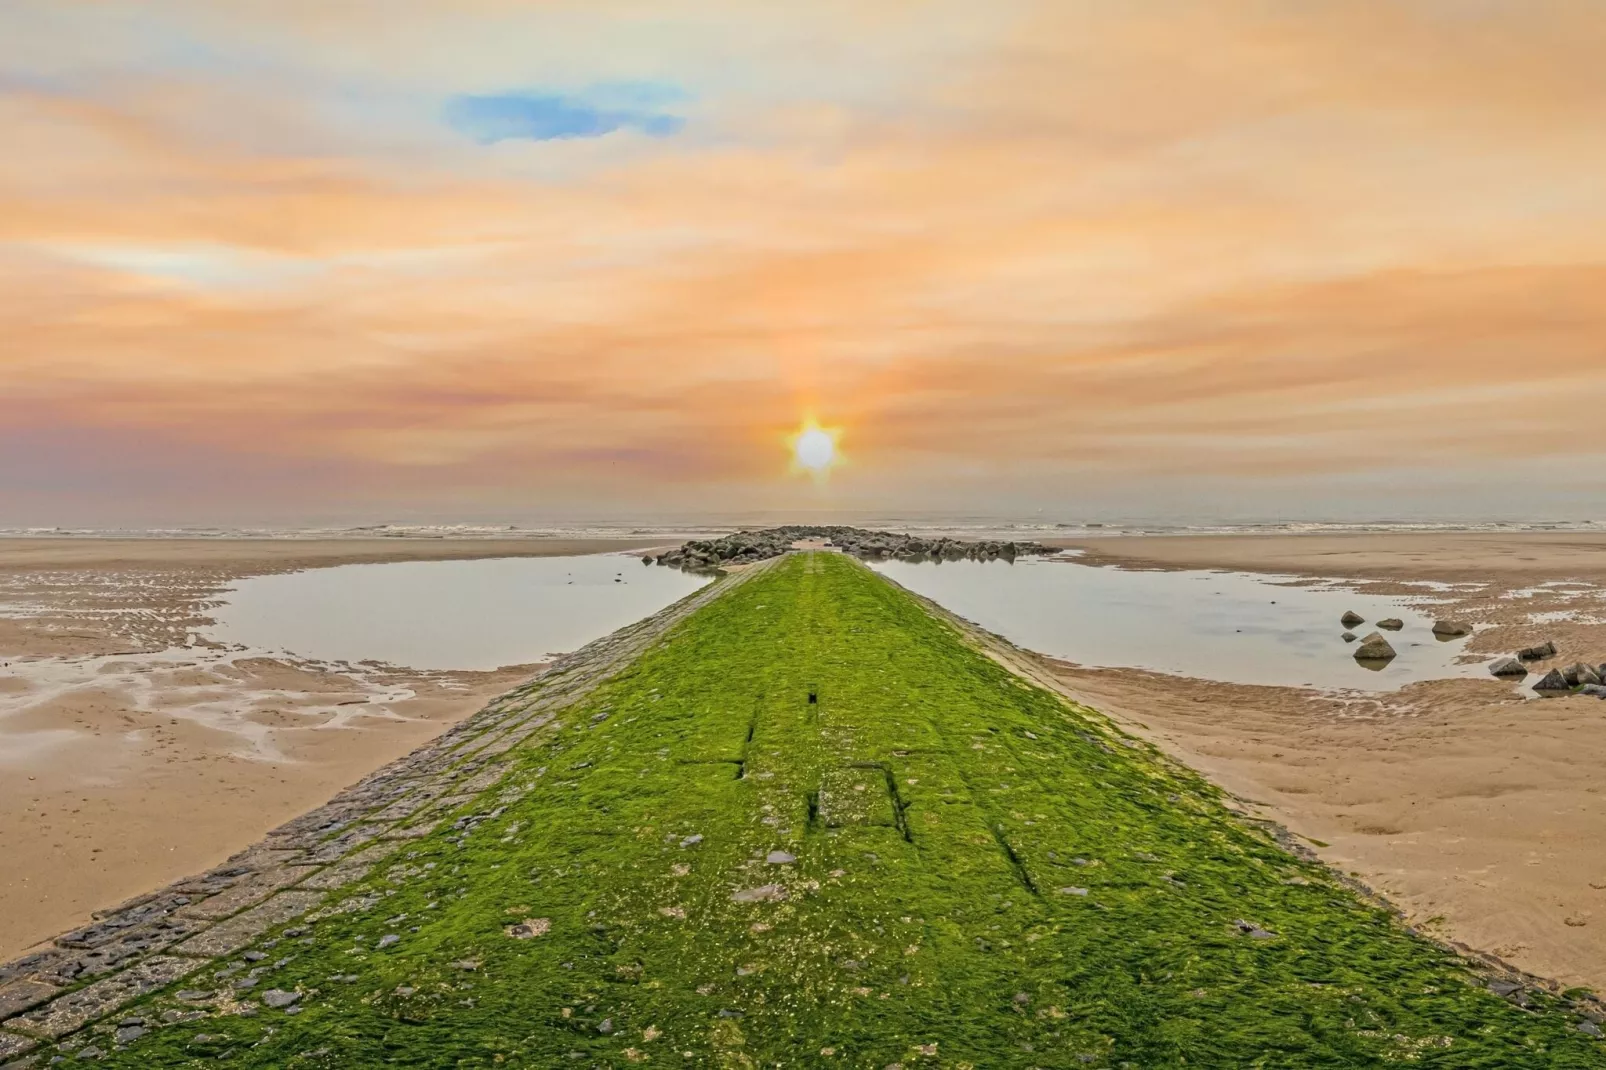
x=1153, y=880
x=1444, y=556
x=1473, y=810
x=93, y=774
x=1467, y=806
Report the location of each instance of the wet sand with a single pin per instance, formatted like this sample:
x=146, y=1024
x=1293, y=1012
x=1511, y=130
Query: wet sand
x=1524, y=556
x=1477, y=811
x=131, y=758
x=1480, y=813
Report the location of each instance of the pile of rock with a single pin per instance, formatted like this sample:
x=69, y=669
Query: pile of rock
x=1583, y=676
x=1580, y=676
x=744, y=547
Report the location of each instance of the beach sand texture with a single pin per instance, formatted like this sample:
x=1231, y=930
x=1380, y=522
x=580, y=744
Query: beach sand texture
x=123, y=768
x=1475, y=810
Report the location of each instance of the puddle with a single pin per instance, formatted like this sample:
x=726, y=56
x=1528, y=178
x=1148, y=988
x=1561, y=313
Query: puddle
x=446, y=614
x=1233, y=627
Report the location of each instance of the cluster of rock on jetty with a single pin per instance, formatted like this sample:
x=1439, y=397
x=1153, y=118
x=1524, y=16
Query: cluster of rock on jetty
x=1583, y=677
x=747, y=546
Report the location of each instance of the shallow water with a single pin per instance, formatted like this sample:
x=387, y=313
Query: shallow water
x=1227, y=626
x=446, y=614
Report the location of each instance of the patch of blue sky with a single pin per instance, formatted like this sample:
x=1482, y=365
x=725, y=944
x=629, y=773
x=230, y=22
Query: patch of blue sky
x=540, y=115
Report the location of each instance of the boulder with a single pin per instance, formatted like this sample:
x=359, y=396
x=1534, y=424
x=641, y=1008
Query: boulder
x=1349, y=637
x=1579, y=674
x=1553, y=681
x=1594, y=691
x=1451, y=628
x=1507, y=667
x=1393, y=624
x=1351, y=618
x=1544, y=650
x=1374, y=648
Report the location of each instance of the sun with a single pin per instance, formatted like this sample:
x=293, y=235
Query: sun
x=814, y=449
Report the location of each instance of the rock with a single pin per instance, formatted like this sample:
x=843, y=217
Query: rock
x=692, y=841
x=1393, y=624
x=1451, y=628
x=1594, y=691
x=254, y=956
x=389, y=940
x=605, y=1027
x=780, y=858
x=1507, y=667
x=127, y=1034
x=1544, y=650
x=762, y=894
x=278, y=997
x=1073, y=891
x=1374, y=648
x=1349, y=637
x=1581, y=674
x=1553, y=681
x=529, y=928
x=1253, y=931
x=1351, y=618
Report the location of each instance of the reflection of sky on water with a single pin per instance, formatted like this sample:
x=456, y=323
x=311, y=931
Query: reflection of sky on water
x=447, y=614
x=1214, y=625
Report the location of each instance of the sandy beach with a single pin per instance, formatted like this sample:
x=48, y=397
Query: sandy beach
x=1476, y=811
x=131, y=756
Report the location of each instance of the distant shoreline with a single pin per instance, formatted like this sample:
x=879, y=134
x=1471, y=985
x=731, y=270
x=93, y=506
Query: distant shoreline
x=679, y=531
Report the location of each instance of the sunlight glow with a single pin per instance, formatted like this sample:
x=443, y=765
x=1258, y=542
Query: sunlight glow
x=814, y=449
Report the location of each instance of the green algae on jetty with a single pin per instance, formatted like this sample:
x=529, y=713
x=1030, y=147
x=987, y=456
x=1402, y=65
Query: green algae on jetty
x=816, y=826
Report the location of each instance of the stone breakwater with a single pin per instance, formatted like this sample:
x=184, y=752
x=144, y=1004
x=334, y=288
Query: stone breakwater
x=70, y=990
x=744, y=547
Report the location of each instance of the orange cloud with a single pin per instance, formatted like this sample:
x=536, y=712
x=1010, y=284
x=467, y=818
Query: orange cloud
x=1094, y=243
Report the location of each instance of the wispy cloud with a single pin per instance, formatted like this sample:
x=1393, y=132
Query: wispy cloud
x=532, y=115
x=1094, y=252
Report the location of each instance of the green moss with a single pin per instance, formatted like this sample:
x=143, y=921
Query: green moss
x=983, y=876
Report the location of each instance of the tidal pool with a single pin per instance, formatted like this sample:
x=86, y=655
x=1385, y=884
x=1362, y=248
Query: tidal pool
x=446, y=614
x=1226, y=626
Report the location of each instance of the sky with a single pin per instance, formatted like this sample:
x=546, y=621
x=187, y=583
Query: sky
x=286, y=261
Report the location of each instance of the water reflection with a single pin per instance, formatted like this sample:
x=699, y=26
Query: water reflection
x=447, y=614
x=1226, y=626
